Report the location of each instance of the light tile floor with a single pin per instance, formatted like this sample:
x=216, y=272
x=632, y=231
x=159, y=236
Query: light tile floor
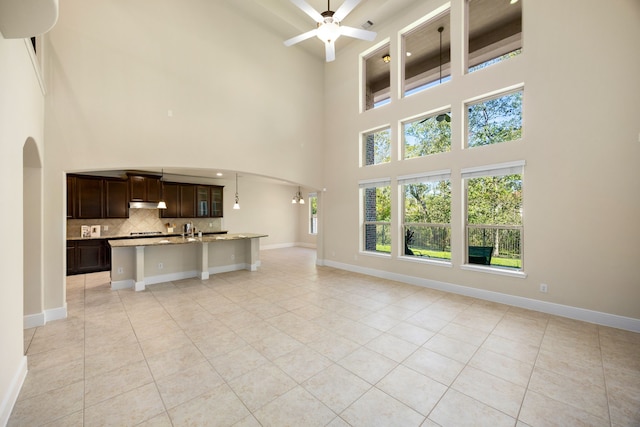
x=299, y=345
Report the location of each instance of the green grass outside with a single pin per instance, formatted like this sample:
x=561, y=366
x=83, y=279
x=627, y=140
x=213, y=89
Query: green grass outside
x=495, y=261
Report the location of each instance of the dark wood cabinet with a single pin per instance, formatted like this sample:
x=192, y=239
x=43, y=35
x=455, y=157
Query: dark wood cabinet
x=187, y=201
x=171, y=192
x=88, y=256
x=203, y=201
x=216, y=201
x=89, y=197
x=144, y=188
x=116, y=201
x=71, y=197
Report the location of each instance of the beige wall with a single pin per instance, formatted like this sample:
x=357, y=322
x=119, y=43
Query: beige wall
x=580, y=144
x=21, y=118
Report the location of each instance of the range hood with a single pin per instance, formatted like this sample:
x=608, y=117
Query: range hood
x=143, y=205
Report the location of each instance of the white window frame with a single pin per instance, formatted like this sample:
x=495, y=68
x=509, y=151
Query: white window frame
x=364, y=185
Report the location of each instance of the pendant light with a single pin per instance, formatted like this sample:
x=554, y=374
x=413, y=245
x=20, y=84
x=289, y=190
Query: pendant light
x=236, y=205
x=297, y=198
x=161, y=203
x=443, y=116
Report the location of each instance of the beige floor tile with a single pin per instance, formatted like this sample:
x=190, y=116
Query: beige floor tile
x=174, y=361
x=111, y=359
x=47, y=407
x=411, y=333
x=276, y=345
x=302, y=363
x=160, y=344
x=257, y=332
x=296, y=407
x=452, y=348
x=572, y=366
x=213, y=347
x=469, y=335
x=261, y=386
x=336, y=387
x=490, y=390
x=378, y=408
x=455, y=409
x=248, y=421
x=573, y=391
x=379, y=321
x=130, y=408
x=392, y=347
x=43, y=380
x=427, y=320
x=238, y=362
x=188, y=384
x=219, y=407
x=358, y=332
x=539, y=410
x=413, y=389
x=526, y=353
x=502, y=366
x=368, y=365
x=110, y=384
x=434, y=365
x=74, y=420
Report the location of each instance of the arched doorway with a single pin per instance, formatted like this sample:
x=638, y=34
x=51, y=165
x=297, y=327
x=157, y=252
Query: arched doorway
x=33, y=283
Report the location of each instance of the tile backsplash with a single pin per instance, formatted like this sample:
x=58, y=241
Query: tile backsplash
x=141, y=220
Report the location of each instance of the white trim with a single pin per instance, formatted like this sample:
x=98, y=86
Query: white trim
x=376, y=254
x=163, y=278
x=306, y=245
x=375, y=182
x=507, y=168
x=234, y=267
x=495, y=270
x=277, y=246
x=55, y=313
x=122, y=284
x=33, y=320
x=433, y=176
x=591, y=316
x=425, y=260
x=11, y=396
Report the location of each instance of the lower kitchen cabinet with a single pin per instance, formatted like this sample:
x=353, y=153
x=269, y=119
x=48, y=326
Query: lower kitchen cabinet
x=88, y=256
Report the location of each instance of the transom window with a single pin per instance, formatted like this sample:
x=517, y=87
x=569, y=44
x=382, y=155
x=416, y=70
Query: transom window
x=376, y=147
x=495, y=120
x=427, y=135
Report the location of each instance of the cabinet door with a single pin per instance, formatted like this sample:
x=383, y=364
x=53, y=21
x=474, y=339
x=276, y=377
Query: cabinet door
x=202, y=201
x=89, y=197
x=187, y=201
x=171, y=193
x=216, y=201
x=153, y=189
x=71, y=197
x=90, y=256
x=138, y=188
x=71, y=257
x=116, y=200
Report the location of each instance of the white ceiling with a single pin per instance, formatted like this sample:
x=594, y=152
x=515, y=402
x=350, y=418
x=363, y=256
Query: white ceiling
x=286, y=20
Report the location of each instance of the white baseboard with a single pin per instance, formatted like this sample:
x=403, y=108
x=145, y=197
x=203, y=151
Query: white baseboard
x=276, y=246
x=122, y=284
x=56, y=313
x=33, y=320
x=11, y=396
x=591, y=316
x=162, y=278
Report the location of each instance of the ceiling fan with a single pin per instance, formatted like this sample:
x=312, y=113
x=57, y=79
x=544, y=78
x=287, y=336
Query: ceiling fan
x=329, y=28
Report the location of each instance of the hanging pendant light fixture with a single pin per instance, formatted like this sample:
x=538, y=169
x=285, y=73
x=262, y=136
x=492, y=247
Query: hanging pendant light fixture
x=443, y=116
x=236, y=205
x=297, y=198
x=161, y=203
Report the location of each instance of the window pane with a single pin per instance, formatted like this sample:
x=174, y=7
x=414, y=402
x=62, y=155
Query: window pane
x=313, y=214
x=377, y=84
x=426, y=136
x=427, y=219
x=495, y=120
x=425, y=64
x=495, y=31
x=377, y=147
x=377, y=217
x=494, y=220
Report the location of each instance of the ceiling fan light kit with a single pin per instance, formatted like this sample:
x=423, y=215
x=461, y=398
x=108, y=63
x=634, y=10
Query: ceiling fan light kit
x=328, y=26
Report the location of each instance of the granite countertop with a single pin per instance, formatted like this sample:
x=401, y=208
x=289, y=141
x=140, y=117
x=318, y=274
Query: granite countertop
x=178, y=240
x=128, y=236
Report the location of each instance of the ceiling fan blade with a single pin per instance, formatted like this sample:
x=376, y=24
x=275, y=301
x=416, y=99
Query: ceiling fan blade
x=330, y=49
x=301, y=37
x=344, y=10
x=357, y=33
x=306, y=8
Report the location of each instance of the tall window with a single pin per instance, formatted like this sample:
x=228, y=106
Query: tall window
x=313, y=213
x=495, y=120
x=494, y=215
x=376, y=147
x=376, y=203
x=495, y=31
x=377, y=78
x=427, y=54
x=427, y=135
x=427, y=215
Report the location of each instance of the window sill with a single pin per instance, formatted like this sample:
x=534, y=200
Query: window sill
x=494, y=270
x=426, y=260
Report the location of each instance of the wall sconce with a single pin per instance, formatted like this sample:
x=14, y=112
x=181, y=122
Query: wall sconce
x=386, y=58
x=297, y=198
x=236, y=205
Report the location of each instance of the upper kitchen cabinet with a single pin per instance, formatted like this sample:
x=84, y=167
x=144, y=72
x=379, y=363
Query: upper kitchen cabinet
x=89, y=197
x=216, y=201
x=71, y=196
x=187, y=201
x=144, y=188
x=116, y=200
x=171, y=193
x=203, y=201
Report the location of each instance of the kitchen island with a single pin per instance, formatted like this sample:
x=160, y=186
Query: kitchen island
x=137, y=263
